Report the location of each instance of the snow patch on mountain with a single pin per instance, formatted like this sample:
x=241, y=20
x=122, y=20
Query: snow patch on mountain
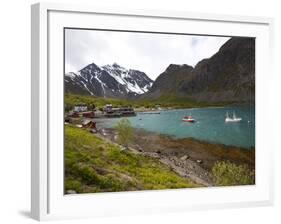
x=108, y=80
x=123, y=76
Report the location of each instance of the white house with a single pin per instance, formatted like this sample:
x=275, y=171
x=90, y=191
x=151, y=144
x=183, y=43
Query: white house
x=108, y=108
x=80, y=108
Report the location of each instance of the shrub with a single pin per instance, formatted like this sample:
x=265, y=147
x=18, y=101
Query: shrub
x=111, y=182
x=87, y=174
x=71, y=184
x=125, y=132
x=226, y=173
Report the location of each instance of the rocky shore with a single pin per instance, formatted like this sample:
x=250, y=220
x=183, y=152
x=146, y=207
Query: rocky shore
x=188, y=157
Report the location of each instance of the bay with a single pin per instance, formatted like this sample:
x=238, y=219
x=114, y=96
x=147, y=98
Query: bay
x=210, y=124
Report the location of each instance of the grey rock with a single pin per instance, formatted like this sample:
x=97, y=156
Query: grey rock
x=185, y=157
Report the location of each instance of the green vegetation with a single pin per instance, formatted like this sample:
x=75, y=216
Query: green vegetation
x=71, y=100
x=92, y=164
x=125, y=132
x=179, y=102
x=229, y=174
x=167, y=101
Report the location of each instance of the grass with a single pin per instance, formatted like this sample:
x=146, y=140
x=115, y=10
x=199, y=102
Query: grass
x=94, y=165
x=71, y=100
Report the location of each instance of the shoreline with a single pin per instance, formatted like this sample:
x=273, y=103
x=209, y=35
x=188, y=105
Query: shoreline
x=190, y=158
x=184, y=108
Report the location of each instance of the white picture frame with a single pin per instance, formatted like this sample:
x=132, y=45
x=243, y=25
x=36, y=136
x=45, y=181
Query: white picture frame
x=48, y=201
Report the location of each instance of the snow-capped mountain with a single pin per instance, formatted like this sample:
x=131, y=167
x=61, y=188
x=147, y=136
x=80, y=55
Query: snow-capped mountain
x=107, y=81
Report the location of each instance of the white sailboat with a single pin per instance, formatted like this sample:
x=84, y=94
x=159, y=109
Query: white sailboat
x=233, y=119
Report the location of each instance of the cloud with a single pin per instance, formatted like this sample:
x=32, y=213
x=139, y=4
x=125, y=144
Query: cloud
x=150, y=53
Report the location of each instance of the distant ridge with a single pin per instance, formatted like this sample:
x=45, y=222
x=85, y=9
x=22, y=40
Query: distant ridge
x=228, y=76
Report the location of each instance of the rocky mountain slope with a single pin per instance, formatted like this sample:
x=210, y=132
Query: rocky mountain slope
x=228, y=76
x=107, y=81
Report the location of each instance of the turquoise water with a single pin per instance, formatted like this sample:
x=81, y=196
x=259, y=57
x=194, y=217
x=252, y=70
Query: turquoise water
x=209, y=125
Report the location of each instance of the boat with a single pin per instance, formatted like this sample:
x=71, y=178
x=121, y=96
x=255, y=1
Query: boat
x=229, y=119
x=188, y=119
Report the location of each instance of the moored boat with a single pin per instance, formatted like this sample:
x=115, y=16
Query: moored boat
x=188, y=119
x=233, y=119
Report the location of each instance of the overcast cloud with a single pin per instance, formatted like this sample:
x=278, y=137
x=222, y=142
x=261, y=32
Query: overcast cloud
x=150, y=53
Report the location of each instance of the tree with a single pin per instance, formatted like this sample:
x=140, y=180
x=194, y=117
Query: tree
x=229, y=174
x=92, y=106
x=125, y=132
x=67, y=107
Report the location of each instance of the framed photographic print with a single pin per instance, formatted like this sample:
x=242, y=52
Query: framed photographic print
x=148, y=111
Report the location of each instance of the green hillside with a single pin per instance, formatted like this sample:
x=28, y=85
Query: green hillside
x=95, y=165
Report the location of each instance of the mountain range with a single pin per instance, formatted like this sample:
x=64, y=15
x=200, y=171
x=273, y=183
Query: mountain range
x=107, y=81
x=227, y=76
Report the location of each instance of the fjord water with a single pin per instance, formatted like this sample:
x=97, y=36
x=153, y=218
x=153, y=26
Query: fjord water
x=210, y=124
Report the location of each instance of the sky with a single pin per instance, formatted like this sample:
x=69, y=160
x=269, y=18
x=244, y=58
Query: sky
x=148, y=52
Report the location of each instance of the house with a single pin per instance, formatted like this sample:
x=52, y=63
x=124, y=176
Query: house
x=80, y=108
x=118, y=112
x=114, y=112
x=88, y=114
x=108, y=108
x=110, y=111
x=127, y=111
x=74, y=114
